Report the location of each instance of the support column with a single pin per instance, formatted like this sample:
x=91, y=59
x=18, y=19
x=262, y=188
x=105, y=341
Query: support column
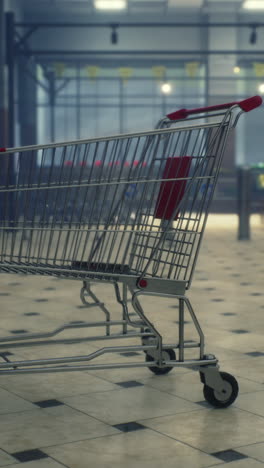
x=220, y=68
x=27, y=115
x=3, y=104
x=222, y=88
x=27, y=101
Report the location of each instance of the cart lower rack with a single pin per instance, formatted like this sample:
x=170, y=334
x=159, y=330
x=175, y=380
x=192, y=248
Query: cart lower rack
x=127, y=210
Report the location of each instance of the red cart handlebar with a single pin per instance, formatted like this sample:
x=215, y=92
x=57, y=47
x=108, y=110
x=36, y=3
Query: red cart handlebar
x=246, y=105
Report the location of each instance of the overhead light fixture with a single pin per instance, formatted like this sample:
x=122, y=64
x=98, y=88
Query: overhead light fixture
x=253, y=4
x=253, y=36
x=236, y=69
x=166, y=88
x=261, y=88
x=110, y=4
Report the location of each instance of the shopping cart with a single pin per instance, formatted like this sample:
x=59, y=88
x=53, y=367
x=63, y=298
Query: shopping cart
x=128, y=210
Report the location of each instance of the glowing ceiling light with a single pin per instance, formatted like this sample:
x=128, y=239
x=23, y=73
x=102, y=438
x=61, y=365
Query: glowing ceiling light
x=261, y=88
x=236, y=69
x=253, y=4
x=110, y=4
x=166, y=88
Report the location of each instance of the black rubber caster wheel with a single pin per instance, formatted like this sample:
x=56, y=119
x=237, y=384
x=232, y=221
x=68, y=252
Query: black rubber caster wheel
x=167, y=354
x=225, y=398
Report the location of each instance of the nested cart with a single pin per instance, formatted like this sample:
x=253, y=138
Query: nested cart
x=129, y=210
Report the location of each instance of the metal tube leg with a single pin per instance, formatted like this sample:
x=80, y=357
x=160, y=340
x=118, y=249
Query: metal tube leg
x=124, y=314
x=181, y=330
x=197, y=326
x=87, y=288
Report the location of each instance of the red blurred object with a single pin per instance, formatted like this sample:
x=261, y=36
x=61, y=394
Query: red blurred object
x=126, y=164
x=68, y=163
x=98, y=163
x=83, y=163
x=171, y=193
x=2, y=150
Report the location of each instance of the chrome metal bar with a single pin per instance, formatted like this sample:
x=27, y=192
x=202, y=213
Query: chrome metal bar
x=181, y=330
x=89, y=357
x=194, y=364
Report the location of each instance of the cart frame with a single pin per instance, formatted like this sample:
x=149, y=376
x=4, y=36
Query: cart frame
x=220, y=389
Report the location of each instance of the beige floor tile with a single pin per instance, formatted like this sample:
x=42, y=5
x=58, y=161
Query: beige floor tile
x=54, y=385
x=252, y=402
x=129, y=404
x=10, y=403
x=141, y=448
x=246, y=463
x=211, y=430
x=5, y=459
x=254, y=450
x=43, y=463
x=39, y=428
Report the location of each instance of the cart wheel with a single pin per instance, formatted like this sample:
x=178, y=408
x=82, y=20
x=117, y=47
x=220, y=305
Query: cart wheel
x=167, y=354
x=225, y=398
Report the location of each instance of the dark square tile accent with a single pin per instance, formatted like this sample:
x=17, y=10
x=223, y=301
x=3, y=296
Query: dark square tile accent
x=174, y=307
x=130, y=384
x=255, y=353
x=48, y=403
x=129, y=427
x=4, y=294
x=217, y=300
x=256, y=294
x=29, y=455
x=229, y=455
x=209, y=289
x=235, y=275
x=228, y=313
x=239, y=331
x=49, y=289
x=245, y=284
x=18, y=331
x=14, y=284
x=41, y=300
x=130, y=354
x=31, y=314
x=81, y=307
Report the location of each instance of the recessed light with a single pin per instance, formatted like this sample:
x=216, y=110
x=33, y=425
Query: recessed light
x=253, y=5
x=261, y=88
x=110, y=4
x=166, y=88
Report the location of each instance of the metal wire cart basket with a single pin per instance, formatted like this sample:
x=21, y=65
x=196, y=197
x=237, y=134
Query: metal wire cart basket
x=129, y=210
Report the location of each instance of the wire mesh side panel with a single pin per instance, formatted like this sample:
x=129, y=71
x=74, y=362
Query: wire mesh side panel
x=102, y=206
x=169, y=249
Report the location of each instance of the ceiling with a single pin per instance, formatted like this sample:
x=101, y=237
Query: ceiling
x=56, y=9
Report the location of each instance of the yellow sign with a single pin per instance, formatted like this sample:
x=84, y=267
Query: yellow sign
x=159, y=71
x=259, y=69
x=59, y=69
x=261, y=181
x=125, y=73
x=92, y=71
x=192, y=68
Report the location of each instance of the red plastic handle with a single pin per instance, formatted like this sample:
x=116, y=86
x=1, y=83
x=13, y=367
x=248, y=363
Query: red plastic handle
x=246, y=105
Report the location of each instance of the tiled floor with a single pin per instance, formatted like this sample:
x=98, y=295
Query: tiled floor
x=130, y=417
